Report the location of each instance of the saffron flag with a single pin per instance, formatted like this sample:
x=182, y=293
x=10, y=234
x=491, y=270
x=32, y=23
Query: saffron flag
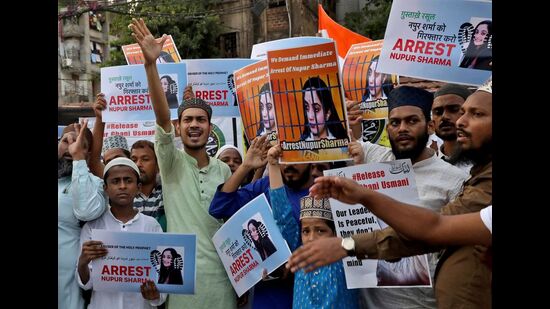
x=343, y=36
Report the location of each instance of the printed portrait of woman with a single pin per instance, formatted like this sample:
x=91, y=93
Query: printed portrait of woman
x=170, y=88
x=267, y=111
x=378, y=85
x=256, y=232
x=165, y=57
x=170, y=267
x=479, y=53
x=321, y=117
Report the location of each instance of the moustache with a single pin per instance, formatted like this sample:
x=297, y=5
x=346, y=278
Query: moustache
x=290, y=169
x=446, y=124
x=462, y=132
x=401, y=137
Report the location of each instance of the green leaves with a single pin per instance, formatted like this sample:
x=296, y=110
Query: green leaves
x=371, y=20
x=194, y=25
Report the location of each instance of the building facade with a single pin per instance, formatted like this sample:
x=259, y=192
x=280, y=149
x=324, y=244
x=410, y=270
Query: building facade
x=83, y=44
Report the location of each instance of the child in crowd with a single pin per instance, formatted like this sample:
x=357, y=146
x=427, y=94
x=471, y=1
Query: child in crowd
x=325, y=287
x=121, y=177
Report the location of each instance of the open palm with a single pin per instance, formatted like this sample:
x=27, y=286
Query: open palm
x=149, y=46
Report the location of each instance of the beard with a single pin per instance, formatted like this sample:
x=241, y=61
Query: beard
x=194, y=147
x=414, y=152
x=302, y=179
x=64, y=167
x=144, y=178
x=474, y=156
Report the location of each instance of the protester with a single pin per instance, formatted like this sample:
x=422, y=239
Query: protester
x=149, y=199
x=121, y=177
x=190, y=178
x=80, y=198
x=462, y=279
x=445, y=112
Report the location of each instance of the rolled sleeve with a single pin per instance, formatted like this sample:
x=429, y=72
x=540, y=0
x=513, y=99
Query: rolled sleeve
x=87, y=191
x=165, y=148
x=387, y=244
x=472, y=199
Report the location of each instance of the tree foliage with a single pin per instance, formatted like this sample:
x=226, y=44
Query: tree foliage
x=371, y=20
x=194, y=25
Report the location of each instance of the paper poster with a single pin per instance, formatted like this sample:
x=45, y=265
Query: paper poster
x=259, y=51
x=132, y=131
x=449, y=41
x=255, y=101
x=166, y=258
x=212, y=81
x=363, y=83
x=249, y=242
x=127, y=92
x=168, y=54
x=395, y=179
x=310, y=112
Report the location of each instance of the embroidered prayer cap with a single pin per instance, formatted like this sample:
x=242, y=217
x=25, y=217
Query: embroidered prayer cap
x=224, y=148
x=315, y=208
x=487, y=86
x=114, y=141
x=459, y=90
x=411, y=96
x=120, y=161
x=195, y=103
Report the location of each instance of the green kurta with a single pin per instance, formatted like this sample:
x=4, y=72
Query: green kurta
x=187, y=193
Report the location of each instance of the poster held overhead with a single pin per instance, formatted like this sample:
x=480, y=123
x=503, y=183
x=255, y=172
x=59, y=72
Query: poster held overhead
x=311, y=116
x=449, y=41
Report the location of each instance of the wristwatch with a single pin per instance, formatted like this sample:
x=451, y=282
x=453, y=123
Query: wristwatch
x=349, y=245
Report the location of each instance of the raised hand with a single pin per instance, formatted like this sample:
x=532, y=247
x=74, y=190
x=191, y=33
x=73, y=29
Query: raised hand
x=188, y=92
x=80, y=147
x=256, y=155
x=99, y=105
x=343, y=189
x=354, y=113
x=149, y=46
x=356, y=150
x=273, y=155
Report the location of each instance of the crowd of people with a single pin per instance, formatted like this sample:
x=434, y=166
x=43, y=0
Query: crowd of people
x=156, y=187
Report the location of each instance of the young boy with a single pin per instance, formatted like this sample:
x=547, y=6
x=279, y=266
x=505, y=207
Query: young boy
x=325, y=287
x=121, y=177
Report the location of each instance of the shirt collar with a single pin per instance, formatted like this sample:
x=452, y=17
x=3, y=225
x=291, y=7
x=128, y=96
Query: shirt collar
x=135, y=218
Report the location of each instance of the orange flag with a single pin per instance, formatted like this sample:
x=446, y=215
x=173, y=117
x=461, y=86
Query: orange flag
x=343, y=36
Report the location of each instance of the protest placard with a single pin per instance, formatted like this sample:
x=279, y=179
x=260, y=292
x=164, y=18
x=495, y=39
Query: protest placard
x=310, y=112
x=448, y=41
x=133, y=258
x=395, y=179
x=250, y=242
